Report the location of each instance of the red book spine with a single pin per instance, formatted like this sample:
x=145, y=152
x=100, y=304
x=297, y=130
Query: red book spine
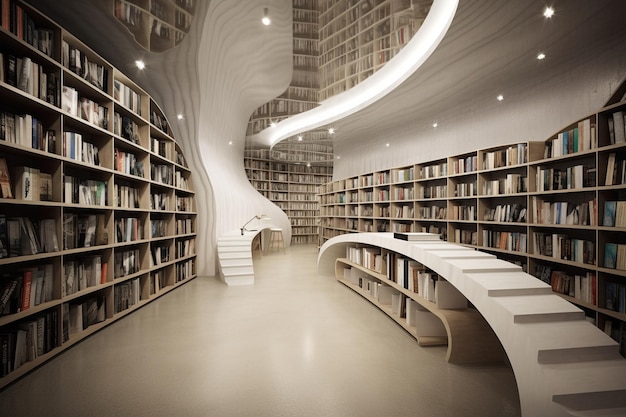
x=26, y=284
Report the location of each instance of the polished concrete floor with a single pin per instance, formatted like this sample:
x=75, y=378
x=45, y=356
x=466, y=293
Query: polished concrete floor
x=293, y=344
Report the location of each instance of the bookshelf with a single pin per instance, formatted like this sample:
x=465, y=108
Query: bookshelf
x=292, y=186
x=157, y=25
x=358, y=37
x=541, y=205
x=97, y=211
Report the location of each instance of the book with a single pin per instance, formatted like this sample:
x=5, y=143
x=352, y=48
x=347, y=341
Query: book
x=418, y=236
x=608, y=219
x=27, y=183
x=4, y=238
x=610, y=255
x=610, y=170
x=5, y=179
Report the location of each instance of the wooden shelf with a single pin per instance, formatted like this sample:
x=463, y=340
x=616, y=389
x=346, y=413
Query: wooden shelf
x=104, y=115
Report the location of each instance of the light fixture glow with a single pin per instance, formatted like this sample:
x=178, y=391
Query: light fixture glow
x=411, y=57
x=272, y=124
x=387, y=144
x=435, y=124
x=308, y=164
x=541, y=56
x=331, y=131
x=500, y=97
x=548, y=12
x=230, y=142
x=180, y=117
x=140, y=64
x=266, y=17
x=299, y=138
x=338, y=157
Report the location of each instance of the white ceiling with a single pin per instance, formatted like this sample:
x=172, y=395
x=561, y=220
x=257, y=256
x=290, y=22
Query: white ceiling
x=490, y=49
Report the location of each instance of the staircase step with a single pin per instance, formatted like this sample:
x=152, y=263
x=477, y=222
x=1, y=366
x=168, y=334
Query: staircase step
x=504, y=284
x=468, y=266
x=540, y=308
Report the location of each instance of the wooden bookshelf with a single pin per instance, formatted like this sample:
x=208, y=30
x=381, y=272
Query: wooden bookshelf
x=157, y=25
x=98, y=213
x=292, y=186
x=504, y=200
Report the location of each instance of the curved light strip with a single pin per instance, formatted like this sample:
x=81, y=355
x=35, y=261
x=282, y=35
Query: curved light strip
x=383, y=81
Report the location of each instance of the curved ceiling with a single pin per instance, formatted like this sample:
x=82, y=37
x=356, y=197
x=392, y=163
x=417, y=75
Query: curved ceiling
x=490, y=48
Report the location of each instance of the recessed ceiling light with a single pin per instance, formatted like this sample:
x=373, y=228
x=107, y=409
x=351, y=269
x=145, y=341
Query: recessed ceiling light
x=500, y=97
x=299, y=138
x=230, y=142
x=308, y=164
x=140, y=64
x=331, y=130
x=541, y=56
x=387, y=144
x=180, y=117
x=338, y=157
x=548, y=12
x=266, y=17
x=272, y=124
x=435, y=124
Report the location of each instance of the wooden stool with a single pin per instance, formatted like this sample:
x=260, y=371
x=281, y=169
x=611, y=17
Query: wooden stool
x=276, y=239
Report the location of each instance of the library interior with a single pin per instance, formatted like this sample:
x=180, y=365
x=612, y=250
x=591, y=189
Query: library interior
x=313, y=208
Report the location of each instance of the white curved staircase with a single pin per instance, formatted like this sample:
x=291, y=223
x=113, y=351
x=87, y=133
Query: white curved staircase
x=564, y=365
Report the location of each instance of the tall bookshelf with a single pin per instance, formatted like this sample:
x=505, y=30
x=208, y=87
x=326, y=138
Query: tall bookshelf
x=157, y=25
x=293, y=186
x=303, y=91
x=357, y=38
x=97, y=212
x=557, y=208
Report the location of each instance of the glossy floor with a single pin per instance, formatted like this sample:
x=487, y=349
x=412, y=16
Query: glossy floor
x=294, y=344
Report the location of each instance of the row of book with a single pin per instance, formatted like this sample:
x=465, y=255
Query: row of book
x=184, y=270
x=564, y=212
x=30, y=77
x=615, y=170
x=160, y=201
x=83, y=273
x=583, y=287
x=615, y=296
x=185, y=247
x=26, y=130
x=77, y=62
x=466, y=237
x=580, y=138
x=437, y=191
x=127, y=163
x=510, y=213
x=128, y=229
x=84, y=108
x=434, y=171
x=125, y=127
x=615, y=255
x=162, y=148
x=570, y=178
x=162, y=174
x=563, y=247
x=126, y=263
x=21, y=236
x=512, y=155
x=77, y=148
x=186, y=204
x=617, y=127
x=511, y=241
x=127, y=96
x=614, y=214
x=511, y=184
x=465, y=165
x=80, y=315
x=29, y=340
x=84, y=191
x=184, y=226
x=464, y=212
x=126, y=196
x=433, y=213
x=159, y=121
x=126, y=295
x=29, y=183
x=84, y=230
x=15, y=19
x=160, y=254
x=26, y=288
x=465, y=189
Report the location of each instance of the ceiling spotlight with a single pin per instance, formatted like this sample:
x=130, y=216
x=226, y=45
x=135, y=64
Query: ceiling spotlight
x=541, y=56
x=338, y=157
x=140, y=64
x=387, y=144
x=266, y=17
x=180, y=117
x=272, y=124
x=435, y=124
x=548, y=12
x=500, y=97
x=299, y=138
x=331, y=130
x=308, y=164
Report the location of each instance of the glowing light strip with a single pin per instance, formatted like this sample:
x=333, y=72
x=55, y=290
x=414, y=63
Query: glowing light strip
x=382, y=82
